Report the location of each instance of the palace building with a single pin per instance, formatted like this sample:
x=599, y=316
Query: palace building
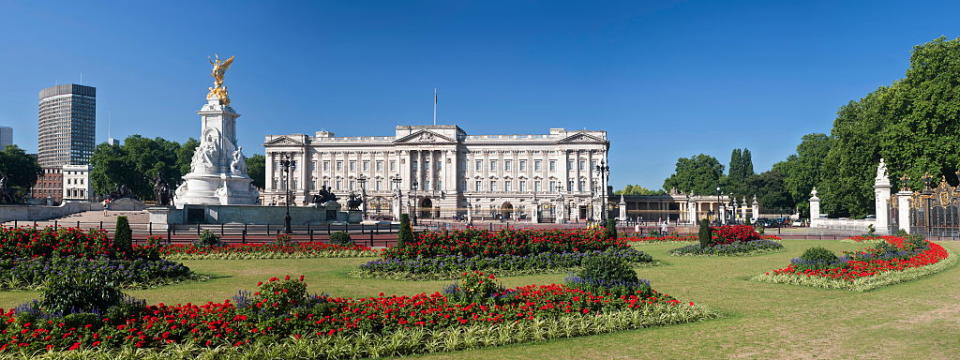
x=441, y=172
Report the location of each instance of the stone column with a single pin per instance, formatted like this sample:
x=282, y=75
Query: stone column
x=881, y=188
x=535, y=216
x=722, y=213
x=903, y=214
x=814, y=208
x=305, y=175
x=755, y=209
x=561, y=209
x=691, y=211
x=406, y=173
x=268, y=182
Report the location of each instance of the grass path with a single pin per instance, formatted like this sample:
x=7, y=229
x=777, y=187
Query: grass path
x=918, y=319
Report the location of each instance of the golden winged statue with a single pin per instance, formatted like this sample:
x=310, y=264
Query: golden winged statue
x=219, y=69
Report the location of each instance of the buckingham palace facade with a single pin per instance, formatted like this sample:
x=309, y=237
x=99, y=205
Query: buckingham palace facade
x=438, y=171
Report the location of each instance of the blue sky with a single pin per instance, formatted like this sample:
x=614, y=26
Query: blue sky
x=666, y=78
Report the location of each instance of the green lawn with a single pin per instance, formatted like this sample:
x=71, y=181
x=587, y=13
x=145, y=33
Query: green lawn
x=918, y=319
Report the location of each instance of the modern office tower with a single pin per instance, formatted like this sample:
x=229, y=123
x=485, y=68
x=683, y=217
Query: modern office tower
x=68, y=125
x=6, y=136
x=66, y=136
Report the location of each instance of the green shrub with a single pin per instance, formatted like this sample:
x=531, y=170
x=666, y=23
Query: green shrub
x=704, y=235
x=279, y=296
x=78, y=293
x=816, y=258
x=122, y=235
x=128, y=307
x=207, y=239
x=406, y=231
x=78, y=320
x=609, y=269
x=341, y=238
x=474, y=287
x=610, y=229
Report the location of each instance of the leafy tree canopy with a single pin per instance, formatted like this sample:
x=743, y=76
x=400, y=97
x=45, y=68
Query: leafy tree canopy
x=697, y=175
x=20, y=169
x=637, y=190
x=257, y=170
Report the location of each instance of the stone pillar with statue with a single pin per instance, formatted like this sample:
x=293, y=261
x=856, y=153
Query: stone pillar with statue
x=881, y=187
x=218, y=170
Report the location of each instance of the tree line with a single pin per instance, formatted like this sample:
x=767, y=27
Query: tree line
x=139, y=160
x=913, y=123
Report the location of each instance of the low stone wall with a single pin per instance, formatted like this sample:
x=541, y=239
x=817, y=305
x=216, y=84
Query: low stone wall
x=42, y=212
x=844, y=224
x=249, y=214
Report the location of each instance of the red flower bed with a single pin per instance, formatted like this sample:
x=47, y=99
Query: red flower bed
x=728, y=234
x=292, y=248
x=660, y=238
x=276, y=313
x=862, y=238
x=472, y=242
x=27, y=242
x=855, y=269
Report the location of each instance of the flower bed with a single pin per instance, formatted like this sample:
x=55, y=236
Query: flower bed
x=738, y=248
x=659, y=239
x=894, y=260
x=281, y=319
x=443, y=255
x=303, y=250
x=450, y=266
x=865, y=239
x=732, y=240
x=29, y=257
x=473, y=242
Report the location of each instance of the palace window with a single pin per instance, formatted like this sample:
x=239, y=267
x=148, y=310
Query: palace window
x=493, y=186
x=353, y=165
x=493, y=165
x=536, y=186
x=339, y=165
x=507, y=165
x=479, y=186
x=338, y=184
x=366, y=165
x=508, y=186
x=377, y=185
x=350, y=184
x=479, y=166
x=593, y=164
x=393, y=165
x=553, y=186
x=570, y=185
x=522, y=165
x=537, y=165
x=379, y=165
x=553, y=165
x=326, y=165
x=581, y=165
x=580, y=186
x=523, y=186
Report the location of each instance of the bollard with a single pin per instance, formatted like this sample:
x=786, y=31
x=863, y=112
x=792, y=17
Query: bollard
x=310, y=231
x=55, y=224
x=371, y=239
x=328, y=229
x=221, y=229
x=268, y=230
x=169, y=231
x=243, y=235
x=150, y=228
x=101, y=224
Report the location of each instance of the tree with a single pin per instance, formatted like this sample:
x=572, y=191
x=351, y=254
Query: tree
x=257, y=169
x=771, y=190
x=847, y=188
x=136, y=164
x=737, y=181
x=405, y=235
x=20, y=169
x=802, y=171
x=697, y=175
x=185, y=155
x=920, y=116
x=638, y=190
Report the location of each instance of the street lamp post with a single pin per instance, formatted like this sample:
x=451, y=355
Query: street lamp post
x=604, y=171
x=288, y=166
x=363, y=194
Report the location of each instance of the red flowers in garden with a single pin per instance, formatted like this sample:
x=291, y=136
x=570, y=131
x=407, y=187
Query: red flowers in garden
x=855, y=269
x=291, y=248
x=472, y=242
x=283, y=310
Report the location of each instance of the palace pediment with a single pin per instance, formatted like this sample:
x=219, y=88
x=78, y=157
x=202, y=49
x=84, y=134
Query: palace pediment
x=283, y=141
x=581, y=138
x=424, y=137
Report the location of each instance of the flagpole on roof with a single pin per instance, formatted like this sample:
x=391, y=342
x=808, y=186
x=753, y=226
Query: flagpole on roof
x=434, y=106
